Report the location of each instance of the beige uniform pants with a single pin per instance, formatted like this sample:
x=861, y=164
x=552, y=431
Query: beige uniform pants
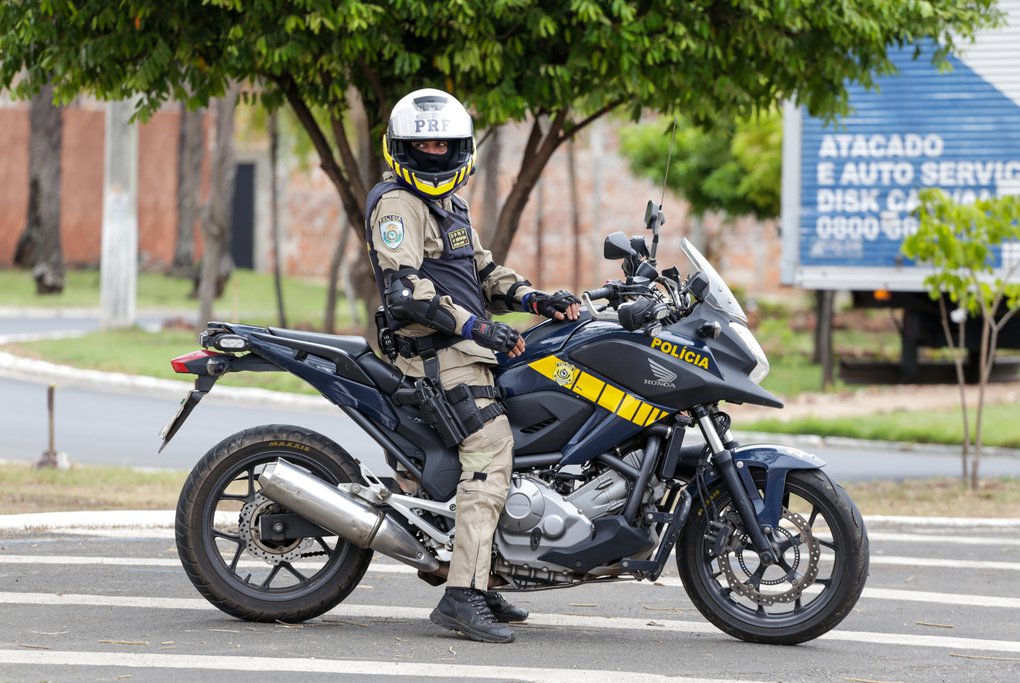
x=486, y=458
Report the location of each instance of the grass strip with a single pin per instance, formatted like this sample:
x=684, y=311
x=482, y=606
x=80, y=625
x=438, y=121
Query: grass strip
x=1001, y=427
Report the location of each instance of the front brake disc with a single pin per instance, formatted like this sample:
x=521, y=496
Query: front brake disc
x=802, y=558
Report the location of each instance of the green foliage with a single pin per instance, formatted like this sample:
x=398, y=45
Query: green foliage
x=509, y=60
x=734, y=167
x=958, y=240
x=507, y=57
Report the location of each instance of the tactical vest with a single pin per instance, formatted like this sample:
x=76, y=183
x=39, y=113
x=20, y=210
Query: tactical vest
x=453, y=273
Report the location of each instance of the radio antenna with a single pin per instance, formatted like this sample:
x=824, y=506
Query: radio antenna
x=669, y=157
x=653, y=215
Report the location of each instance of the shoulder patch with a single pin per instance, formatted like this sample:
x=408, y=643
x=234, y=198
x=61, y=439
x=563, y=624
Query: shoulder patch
x=391, y=230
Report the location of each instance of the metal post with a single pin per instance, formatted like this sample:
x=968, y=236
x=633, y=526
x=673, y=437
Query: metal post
x=119, y=260
x=50, y=457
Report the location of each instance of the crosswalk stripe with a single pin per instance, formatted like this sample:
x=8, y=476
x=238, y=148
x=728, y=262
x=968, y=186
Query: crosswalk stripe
x=543, y=619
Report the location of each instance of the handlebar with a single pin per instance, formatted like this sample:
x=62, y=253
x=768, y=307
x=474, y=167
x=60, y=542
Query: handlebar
x=601, y=293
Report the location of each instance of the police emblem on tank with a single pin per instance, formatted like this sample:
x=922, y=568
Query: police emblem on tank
x=391, y=230
x=564, y=373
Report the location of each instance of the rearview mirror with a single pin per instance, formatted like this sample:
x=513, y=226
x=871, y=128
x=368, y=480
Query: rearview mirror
x=617, y=246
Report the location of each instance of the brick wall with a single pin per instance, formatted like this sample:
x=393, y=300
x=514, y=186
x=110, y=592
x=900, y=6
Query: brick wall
x=609, y=199
x=81, y=213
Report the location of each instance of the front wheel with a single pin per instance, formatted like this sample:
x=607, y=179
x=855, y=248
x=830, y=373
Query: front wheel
x=823, y=563
x=221, y=545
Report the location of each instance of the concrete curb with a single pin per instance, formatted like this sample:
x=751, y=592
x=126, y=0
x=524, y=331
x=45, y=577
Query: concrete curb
x=16, y=367
x=164, y=519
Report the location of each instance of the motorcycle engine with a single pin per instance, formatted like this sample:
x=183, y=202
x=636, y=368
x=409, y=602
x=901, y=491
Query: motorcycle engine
x=537, y=519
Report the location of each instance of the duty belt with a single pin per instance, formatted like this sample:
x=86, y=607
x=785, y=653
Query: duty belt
x=409, y=347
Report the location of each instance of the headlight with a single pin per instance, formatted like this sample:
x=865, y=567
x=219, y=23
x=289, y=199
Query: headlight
x=754, y=348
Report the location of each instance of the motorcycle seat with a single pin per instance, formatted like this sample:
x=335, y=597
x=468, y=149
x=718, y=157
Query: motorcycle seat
x=349, y=344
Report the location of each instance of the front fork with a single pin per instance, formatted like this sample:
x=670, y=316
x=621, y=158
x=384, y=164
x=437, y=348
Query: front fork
x=722, y=460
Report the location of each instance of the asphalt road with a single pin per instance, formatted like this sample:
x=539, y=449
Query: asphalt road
x=941, y=604
x=121, y=427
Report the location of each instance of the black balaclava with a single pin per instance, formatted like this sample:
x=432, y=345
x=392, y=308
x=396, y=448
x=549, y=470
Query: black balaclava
x=430, y=163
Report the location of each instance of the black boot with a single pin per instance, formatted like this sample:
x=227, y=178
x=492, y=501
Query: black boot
x=502, y=610
x=465, y=610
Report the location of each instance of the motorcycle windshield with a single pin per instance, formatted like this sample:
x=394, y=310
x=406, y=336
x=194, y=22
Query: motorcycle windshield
x=718, y=294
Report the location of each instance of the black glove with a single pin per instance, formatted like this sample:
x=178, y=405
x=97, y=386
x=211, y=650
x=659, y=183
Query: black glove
x=549, y=304
x=492, y=335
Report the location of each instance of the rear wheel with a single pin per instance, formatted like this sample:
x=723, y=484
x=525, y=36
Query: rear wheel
x=823, y=563
x=219, y=539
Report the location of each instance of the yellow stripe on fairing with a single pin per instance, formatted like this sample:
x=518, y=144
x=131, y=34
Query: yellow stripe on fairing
x=612, y=398
x=627, y=408
x=589, y=387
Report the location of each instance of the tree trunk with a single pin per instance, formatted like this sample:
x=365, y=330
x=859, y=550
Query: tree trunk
x=984, y=371
x=492, y=164
x=335, y=266
x=575, y=215
x=190, y=146
x=958, y=349
x=346, y=174
x=217, y=263
x=274, y=214
x=539, y=279
x=39, y=246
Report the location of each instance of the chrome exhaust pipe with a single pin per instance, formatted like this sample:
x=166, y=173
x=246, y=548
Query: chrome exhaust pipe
x=334, y=510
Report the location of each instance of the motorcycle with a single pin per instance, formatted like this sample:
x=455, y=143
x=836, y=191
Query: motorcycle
x=279, y=523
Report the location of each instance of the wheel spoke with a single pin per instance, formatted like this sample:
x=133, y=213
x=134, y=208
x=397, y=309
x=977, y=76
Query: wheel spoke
x=272, y=575
x=325, y=547
x=233, y=538
x=755, y=578
x=289, y=567
x=813, y=517
x=831, y=545
x=237, y=557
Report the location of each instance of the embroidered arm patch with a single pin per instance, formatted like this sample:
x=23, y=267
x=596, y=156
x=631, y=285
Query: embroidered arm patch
x=391, y=230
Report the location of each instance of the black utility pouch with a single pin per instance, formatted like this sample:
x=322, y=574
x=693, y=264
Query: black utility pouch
x=438, y=413
x=462, y=400
x=384, y=335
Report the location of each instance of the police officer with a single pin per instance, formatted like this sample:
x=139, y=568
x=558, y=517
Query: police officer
x=436, y=282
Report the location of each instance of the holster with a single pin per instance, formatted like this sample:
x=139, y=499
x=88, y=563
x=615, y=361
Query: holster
x=438, y=412
x=453, y=413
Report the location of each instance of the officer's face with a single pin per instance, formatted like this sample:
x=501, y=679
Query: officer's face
x=438, y=147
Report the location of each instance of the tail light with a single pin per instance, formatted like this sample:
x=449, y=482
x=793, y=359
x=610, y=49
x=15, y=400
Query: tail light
x=193, y=363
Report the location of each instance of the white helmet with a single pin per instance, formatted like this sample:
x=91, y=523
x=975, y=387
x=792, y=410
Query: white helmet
x=430, y=114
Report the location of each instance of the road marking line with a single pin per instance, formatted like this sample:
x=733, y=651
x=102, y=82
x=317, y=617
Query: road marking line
x=894, y=560
x=545, y=619
x=666, y=581
x=938, y=538
x=307, y=665
x=949, y=564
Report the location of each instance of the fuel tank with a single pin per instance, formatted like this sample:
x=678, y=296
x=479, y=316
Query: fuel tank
x=583, y=387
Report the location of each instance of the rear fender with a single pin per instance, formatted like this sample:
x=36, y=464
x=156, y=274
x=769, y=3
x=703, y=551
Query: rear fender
x=776, y=462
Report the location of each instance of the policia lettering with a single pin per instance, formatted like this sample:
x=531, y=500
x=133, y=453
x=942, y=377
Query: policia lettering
x=683, y=353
